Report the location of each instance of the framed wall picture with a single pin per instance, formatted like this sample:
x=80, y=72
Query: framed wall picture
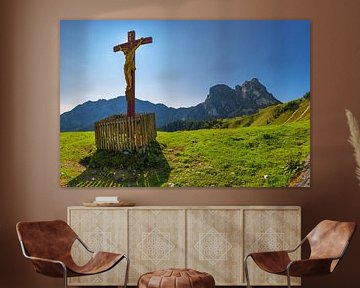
x=185, y=103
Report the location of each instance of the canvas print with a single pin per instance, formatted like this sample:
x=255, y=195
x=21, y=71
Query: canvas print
x=179, y=103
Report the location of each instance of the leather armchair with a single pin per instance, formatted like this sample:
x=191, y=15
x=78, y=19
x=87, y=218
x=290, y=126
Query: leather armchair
x=48, y=245
x=328, y=242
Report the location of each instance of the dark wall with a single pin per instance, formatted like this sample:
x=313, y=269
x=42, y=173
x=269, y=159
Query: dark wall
x=29, y=119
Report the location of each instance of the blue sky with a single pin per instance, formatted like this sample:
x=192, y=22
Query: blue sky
x=185, y=59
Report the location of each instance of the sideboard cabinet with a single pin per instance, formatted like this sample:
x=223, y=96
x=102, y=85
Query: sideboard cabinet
x=211, y=239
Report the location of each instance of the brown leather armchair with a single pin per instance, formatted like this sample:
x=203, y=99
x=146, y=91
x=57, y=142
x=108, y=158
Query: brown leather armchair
x=48, y=245
x=328, y=242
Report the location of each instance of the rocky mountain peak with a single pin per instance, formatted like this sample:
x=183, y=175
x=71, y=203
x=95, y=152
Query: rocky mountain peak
x=247, y=98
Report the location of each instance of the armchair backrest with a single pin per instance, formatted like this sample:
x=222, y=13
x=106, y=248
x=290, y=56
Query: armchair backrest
x=329, y=239
x=46, y=239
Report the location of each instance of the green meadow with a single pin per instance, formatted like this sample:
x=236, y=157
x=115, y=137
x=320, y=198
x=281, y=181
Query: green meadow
x=254, y=156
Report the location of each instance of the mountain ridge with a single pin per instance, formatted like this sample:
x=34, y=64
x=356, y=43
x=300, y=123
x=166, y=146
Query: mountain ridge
x=221, y=102
x=279, y=114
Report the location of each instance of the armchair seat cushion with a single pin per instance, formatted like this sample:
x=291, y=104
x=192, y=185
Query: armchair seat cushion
x=99, y=262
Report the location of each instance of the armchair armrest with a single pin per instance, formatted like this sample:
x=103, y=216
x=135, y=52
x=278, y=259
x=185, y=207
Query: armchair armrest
x=298, y=246
x=49, y=267
x=83, y=244
x=280, y=252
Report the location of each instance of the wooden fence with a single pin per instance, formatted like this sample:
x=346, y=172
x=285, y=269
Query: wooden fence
x=122, y=133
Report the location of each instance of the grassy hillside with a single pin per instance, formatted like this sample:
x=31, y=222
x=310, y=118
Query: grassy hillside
x=293, y=111
x=255, y=156
x=290, y=112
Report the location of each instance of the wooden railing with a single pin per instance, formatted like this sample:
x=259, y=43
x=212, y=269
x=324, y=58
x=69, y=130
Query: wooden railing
x=122, y=133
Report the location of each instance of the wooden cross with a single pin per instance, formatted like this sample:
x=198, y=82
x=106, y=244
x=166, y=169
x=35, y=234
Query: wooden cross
x=128, y=49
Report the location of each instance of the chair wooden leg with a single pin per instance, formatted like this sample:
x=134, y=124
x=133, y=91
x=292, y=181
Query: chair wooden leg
x=246, y=270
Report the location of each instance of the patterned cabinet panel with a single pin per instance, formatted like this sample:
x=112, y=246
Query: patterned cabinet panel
x=156, y=240
x=271, y=229
x=214, y=244
x=101, y=230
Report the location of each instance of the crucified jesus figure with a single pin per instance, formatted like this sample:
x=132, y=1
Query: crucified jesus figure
x=129, y=49
x=129, y=66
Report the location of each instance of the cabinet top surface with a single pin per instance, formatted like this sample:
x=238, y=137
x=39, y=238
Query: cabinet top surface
x=192, y=207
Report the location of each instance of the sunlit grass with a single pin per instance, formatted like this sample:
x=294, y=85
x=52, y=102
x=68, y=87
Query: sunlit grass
x=261, y=156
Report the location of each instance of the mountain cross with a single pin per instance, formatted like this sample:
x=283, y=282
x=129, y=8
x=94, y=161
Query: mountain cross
x=129, y=49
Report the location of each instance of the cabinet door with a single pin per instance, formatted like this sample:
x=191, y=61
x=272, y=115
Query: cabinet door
x=270, y=230
x=156, y=240
x=101, y=230
x=214, y=244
